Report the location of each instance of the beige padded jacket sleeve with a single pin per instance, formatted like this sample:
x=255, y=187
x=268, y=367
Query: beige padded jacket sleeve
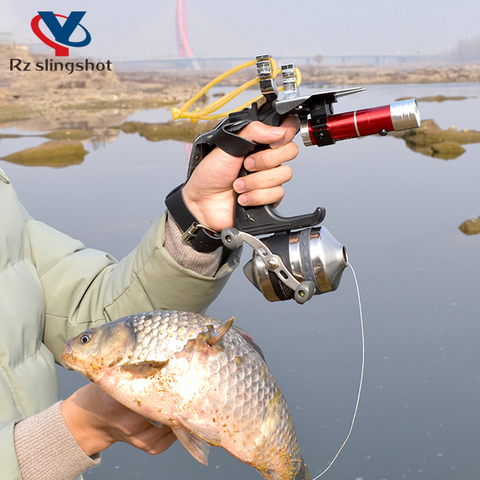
x=85, y=287
x=46, y=449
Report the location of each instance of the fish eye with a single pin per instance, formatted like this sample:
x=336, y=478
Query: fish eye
x=85, y=338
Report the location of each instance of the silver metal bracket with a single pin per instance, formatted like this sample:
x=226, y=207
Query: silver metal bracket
x=268, y=87
x=233, y=238
x=289, y=81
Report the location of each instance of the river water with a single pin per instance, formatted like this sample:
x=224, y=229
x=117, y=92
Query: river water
x=398, y=213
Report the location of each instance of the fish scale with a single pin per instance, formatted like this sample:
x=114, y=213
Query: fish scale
x=202, y=377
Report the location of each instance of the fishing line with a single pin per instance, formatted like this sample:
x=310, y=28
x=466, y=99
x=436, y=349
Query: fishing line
x=362, y=371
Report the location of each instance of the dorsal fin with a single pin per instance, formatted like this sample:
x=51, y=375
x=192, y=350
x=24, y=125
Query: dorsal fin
x=220, y=332
x=246, y=336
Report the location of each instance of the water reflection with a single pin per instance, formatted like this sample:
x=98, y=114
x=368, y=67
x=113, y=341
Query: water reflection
x=65, y=148
x=181, y=131
x=428, y=140
x=97, y=127
x=104, y=127
x=55, y=153
x=436, y=98
x=71, y=119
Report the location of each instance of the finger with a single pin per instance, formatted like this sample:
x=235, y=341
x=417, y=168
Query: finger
x=261, y=133
x=162, y=444
x=274, y=136
x=263, y=180
x=153, y=440
x=269, y=158
x=292, y=125
x=261, y=197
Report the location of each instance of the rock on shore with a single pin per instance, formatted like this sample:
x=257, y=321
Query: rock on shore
x=431, y=140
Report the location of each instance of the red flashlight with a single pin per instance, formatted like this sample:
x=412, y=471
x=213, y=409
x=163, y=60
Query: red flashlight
x=360, y=123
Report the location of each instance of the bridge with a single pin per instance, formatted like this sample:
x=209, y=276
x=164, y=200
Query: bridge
x=186, y=58
x=223, y=62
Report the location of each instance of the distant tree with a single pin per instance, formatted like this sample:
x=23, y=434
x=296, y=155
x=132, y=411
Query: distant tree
x=467, y=50
x=318, y=59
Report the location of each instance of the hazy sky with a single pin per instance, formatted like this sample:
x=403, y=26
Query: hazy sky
x=146, y=28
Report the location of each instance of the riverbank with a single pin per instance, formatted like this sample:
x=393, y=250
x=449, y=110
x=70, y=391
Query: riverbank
x=45, y=100
x=34, y=99
x=372, y=75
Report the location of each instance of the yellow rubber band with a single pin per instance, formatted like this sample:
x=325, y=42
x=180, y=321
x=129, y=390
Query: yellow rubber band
x=207, y=112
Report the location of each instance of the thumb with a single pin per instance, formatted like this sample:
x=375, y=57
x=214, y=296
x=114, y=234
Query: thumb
x=264, y=134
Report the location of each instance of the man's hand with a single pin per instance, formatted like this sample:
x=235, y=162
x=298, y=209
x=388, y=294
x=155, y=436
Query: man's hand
x=211, y=191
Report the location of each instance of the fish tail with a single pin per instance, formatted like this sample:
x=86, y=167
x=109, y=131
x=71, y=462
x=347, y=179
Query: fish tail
x=302, y=473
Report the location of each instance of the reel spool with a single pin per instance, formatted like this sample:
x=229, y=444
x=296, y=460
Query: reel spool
x=297, y=264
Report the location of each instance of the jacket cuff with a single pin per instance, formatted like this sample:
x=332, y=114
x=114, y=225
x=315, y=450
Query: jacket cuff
x=46, y=448
x=186, y=256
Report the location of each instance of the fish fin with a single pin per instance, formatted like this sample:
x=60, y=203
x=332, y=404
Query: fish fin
x=220, y=332
x=302, y=473
x=198, y=448
x=155, y=423
x=144, y=369
x=250, y=341
x=201, y=431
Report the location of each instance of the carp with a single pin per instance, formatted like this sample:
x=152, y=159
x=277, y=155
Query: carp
x=204, y=378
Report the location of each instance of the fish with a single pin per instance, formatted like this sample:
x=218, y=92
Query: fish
x=204, y=378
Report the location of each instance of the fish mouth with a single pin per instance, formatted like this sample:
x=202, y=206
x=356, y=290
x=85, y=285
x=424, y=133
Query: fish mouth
x=67, y=352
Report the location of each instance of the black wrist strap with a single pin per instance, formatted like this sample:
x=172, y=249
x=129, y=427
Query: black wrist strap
x=201, y=238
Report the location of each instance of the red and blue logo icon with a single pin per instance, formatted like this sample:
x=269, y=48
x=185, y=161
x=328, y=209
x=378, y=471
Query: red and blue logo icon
x=61, y=32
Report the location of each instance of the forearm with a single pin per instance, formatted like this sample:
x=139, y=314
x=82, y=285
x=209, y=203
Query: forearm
x=166, y=275
x=46, y=449
x=85, y=287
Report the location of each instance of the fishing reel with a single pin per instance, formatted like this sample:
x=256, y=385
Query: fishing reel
x=315, y=258
x=300, y=258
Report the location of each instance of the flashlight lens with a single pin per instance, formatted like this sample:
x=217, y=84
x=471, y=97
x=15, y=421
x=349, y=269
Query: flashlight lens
x=405, y=114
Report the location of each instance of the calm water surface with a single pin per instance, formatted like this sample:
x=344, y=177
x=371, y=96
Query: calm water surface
x=397, y=212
